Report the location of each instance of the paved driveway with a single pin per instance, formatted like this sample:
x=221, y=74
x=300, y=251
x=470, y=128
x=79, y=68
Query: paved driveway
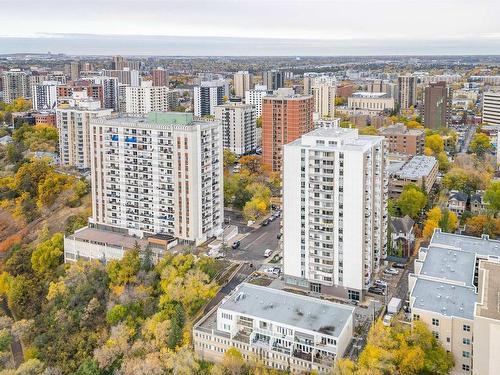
x=255, y=243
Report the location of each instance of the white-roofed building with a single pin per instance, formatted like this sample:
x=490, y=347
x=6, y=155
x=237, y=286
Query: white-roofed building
x=287, y=331
x=444, y=294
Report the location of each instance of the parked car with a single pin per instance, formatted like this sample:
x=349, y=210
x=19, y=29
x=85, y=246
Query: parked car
x=268, y=252
x=387, y=320
x=265, y=223
x=398, y=265
x=273, y=271
x=380, y=283
x=376, y=290
x=391, y=271
x=279, y=235
x=236, y=244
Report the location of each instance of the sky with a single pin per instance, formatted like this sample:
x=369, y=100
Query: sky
x=462, y=21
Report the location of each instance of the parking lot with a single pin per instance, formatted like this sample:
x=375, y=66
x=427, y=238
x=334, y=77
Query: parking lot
x=253, y=245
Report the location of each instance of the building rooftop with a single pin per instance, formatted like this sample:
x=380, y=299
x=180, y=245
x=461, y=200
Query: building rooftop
x=369, y=95
x=288, y=308
x=286, y=93
x=170, y=118
x=458, y=195
x=481, y=246
x=401, y=224
x=419, y=166
x=332, y=138
x=450, y=265
x=489, y=292
x=445, y=283
x=444, y=298
x=400, y=129
x=108, y=238
x=152, y=119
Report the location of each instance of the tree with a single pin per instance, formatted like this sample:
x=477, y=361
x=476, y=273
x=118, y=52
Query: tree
x=254, y=208
x=40, y=137
x=438, y=218
x=443, y=161
x=51, y=187
x=229, y=157
x=400, y=349
x=483, y=224
x=252, y=163
x=258, y=122
x=465, y=180
x=5, y=340
x=368, y=130
x=339, y=100
x=23, y=297
x=344, y=366
x=492, y=197
x=434, y=143
x=432, y=222
x=15, y=152
x=233, y=361
x=88, y=367
x=31, y=174
x=18, y=105
x=116, y=314
x=26, y=208
x=411, y=201
x=412, y=124
x=48, y=254
x=176, y=325
x=74, y=223
x=480, y=144
x=124, y=271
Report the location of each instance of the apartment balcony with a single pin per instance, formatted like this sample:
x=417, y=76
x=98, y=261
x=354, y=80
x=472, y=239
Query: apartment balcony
x=324, y=359
x=260, y=340
x=297, y=353
x=281, y=349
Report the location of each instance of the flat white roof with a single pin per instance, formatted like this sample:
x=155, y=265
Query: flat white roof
x=419, y=166
x=312, y=314
x=444, y=298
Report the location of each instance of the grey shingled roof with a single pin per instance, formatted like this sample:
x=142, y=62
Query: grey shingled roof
x=402, y=224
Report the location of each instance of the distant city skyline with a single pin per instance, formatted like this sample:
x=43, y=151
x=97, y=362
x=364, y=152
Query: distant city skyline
x=131, y=45
x=343, y=22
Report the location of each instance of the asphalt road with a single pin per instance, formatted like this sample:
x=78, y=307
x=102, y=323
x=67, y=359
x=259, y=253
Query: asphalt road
x=236, y=218
x=238, y=278
x=468, y=138
x=256, y=242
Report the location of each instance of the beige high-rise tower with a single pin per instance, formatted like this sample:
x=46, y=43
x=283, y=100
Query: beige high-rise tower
x=242, y=82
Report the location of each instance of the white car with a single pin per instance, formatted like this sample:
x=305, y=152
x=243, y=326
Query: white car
x=268, y=252
x=387, y=320
x=391, y=271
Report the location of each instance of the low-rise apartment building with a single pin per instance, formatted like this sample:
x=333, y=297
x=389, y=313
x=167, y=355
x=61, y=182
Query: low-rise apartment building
x=284, y=330
x=451, y=289
x=374, y=102
x=402, y=140
x=421, y=170
x=104, y=245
